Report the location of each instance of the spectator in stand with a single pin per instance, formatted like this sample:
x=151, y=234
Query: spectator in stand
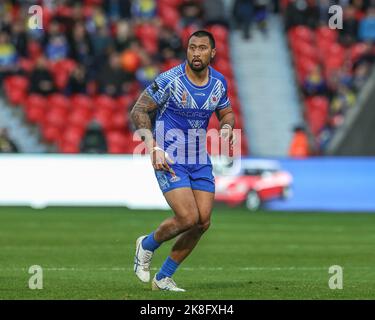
x=77, y=82
x=324, y=14
x=68, y=22
x=143, y=10
x=243, y=13
x=55, y=43
x=81, y=47
x=191, y=14
x=367, y=26
x=299, y=147
x=214, y=13
x=94, y=140
x=325, y=136
x=6, y=143
x=260, y=14
x=19, y=38
x=348, y=35
x=112, y=79
x=8, y=56
x=41, y=80
x=117, y=9
x=295, y=14
x=343, y=100
x=344, y=75
x=101, y=42
x=124, y=36
x=314, y=83
x=312, y=14
x=97, y=20
x=147, y=72
x=169, y=44
x=5, y=19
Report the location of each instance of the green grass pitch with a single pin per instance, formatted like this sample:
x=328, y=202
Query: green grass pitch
x=87, y=253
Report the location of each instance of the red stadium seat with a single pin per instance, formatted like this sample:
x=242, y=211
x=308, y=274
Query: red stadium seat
x=148, y=35
x=17, y=82
x=15, y=89
x=125, y=102
x=27, y=65
x=170, y=64
x=35, y=107
x=105, y=102
x=219, y=32
x=357, y=50
x=104, y=117
x=68, y=147
x=51, y=133
x=34, y=49
x=171, y=3
x=317, y=113
x=169, y=16
x=185, y=34
x=81, y=101
x=80, y=117
x=306, y=50
x=119, y=121
x=57, y=117
x=324, y=32
x=301, y=33
x=73, y=135
x=58, y=100
x=116, y=142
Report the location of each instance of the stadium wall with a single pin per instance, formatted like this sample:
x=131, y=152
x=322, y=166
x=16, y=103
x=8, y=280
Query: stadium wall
x=329, y=184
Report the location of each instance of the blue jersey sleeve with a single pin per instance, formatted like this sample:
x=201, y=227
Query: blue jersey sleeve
x=158, y=90
x=224, y=100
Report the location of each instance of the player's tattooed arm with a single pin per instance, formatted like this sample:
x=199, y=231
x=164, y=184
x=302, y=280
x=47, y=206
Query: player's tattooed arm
x=140, y=115
x=227, y=120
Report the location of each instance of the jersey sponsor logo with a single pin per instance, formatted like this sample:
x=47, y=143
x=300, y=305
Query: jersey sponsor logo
x=193, y=114
x=196, y=124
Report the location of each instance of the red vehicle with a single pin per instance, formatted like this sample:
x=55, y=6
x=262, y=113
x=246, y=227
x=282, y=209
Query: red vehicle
x=250, y=181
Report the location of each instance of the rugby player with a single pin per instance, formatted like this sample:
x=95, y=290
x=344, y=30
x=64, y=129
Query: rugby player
x=184, y=98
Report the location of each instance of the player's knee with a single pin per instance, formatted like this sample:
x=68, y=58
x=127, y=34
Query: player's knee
x=203, y=227
x=188, y=222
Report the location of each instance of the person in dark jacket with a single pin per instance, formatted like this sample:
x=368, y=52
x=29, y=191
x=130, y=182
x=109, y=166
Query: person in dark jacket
x=41, y=80
x=94, y=140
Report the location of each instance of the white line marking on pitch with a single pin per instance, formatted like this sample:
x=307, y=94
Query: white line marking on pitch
x=185, y=268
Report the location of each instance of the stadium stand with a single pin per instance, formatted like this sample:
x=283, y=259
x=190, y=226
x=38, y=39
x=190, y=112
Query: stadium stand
x=92, y=60
x=331, y=65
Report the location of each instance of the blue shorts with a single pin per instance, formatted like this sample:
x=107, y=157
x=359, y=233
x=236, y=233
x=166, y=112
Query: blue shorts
x=196, y=177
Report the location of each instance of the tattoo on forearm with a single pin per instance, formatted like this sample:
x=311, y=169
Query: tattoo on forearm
x=140, y=114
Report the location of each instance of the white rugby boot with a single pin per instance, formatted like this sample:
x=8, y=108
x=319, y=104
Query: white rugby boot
x=165, y=284
x=142, y=261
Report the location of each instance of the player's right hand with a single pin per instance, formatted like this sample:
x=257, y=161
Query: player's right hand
x=160, y=159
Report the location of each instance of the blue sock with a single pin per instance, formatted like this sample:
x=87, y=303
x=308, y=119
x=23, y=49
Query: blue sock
x=149, y=243
x=168, y=269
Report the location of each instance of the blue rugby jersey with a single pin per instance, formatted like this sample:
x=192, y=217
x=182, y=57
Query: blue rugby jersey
x=184, y=110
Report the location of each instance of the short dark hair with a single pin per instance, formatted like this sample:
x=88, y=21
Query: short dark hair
x=204, y=33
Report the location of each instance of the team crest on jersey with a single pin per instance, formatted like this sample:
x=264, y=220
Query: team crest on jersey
x=162, y=179
x=213, y=102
